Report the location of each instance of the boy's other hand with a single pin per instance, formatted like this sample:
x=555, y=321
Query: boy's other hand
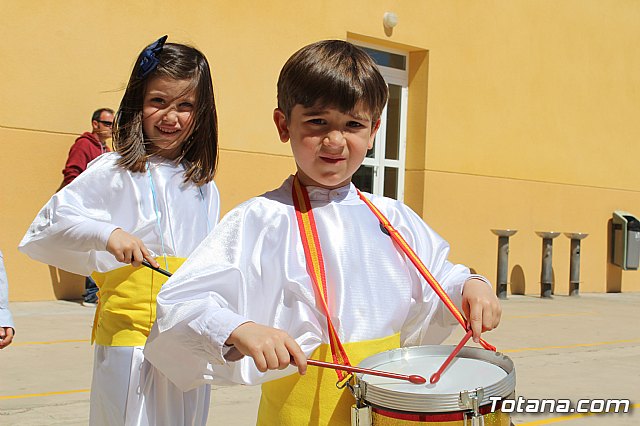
x=481, y=307
x=270, y=348
x=129, y=249
x=6, y=336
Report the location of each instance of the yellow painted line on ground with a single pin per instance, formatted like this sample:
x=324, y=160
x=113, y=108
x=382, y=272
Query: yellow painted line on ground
x=569, y=417
x=578, y=345
x=50, y=342
x=571, y=314
x=33, y=395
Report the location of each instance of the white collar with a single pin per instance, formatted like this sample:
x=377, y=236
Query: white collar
x=344, y=193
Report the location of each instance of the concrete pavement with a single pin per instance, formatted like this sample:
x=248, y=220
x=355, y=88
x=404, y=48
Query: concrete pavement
x=585, y=347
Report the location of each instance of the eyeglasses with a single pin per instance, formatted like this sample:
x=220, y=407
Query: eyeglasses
x=106, y=123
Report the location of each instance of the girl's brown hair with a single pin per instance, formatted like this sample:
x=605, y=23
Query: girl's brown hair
x=200, y=149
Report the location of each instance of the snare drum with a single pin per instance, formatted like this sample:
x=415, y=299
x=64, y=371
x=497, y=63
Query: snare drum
x=469, y=392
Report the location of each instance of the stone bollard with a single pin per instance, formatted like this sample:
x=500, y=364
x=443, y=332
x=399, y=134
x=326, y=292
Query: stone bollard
x=574, y=265
x=546, y=274
x=503, y=260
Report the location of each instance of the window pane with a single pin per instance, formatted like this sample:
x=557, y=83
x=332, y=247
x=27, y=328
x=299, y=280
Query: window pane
x=363, y=178
x=390, y=182
x=387, y=59
x=392, y=141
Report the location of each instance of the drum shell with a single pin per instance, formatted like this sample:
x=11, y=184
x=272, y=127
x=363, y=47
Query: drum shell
x=383, y=417
x=392, y=407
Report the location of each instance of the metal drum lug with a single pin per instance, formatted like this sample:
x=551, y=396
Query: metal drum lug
x=471, y=401
x=360, y=416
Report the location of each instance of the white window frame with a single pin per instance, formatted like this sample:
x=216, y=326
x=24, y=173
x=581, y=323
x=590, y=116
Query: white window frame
x=379, y=162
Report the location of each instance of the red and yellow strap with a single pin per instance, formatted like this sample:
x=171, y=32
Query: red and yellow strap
x=315, y=266
x=402, y=243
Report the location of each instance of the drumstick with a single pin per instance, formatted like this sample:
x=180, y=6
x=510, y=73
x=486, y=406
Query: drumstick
x=436, y=376
x=162, y=271
x=418, y=380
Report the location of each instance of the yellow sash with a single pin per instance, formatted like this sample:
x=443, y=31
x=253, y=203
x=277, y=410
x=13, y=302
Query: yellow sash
x=127, y=304
x=313, y=399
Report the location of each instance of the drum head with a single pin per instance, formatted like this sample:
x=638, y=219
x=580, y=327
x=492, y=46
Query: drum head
x=472, y=368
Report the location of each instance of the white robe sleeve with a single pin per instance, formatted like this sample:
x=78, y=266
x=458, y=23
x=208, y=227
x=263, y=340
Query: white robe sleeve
x=225, y=283
x=75, y=222
x=72, y=229
x=429, y=321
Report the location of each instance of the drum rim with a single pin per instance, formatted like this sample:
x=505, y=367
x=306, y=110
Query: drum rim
x=429, y=403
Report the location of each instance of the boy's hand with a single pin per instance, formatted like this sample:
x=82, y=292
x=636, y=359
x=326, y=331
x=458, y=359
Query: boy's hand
x=6, y=336
x=129, y=249
x=270, y=348
x=481, y=307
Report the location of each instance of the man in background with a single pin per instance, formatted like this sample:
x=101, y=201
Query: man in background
x=88, y=146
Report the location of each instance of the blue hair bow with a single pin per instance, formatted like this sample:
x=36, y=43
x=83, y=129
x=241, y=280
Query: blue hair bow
x=149, y=62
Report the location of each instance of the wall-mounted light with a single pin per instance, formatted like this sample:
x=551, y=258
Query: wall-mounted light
x=389, y=20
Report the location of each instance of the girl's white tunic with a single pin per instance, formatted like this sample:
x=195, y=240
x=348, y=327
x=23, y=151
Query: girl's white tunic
x=71, y=233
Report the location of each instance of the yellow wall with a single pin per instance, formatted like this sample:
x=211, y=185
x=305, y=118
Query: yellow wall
x=518, y=110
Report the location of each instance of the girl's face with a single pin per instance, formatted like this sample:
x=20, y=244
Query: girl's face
x=168, y=115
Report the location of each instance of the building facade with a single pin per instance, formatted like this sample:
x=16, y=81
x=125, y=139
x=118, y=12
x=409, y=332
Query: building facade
x=503, y=114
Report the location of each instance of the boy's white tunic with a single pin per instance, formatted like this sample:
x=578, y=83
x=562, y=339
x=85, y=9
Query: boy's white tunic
x=71, y=233
x=252, y=267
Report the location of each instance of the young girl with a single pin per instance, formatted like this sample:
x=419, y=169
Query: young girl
x=154, y=199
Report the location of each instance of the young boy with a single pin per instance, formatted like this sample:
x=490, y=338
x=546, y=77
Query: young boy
x=248, y=288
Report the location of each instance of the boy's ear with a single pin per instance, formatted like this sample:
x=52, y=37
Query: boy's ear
x=374, y=131
x=281, y=124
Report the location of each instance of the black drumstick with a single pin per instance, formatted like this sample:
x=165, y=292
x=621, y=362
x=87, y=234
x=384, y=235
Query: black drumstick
x=162, y=271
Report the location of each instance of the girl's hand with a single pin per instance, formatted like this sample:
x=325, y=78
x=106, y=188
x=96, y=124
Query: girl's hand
x=129, y=249
x=6, y=336
x=270, y=348
x=481, y=307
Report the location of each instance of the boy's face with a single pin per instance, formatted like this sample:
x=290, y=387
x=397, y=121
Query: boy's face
x=328, y=145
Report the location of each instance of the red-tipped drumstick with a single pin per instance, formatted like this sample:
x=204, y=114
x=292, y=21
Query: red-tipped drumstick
x=436, y=376
x=418, y=380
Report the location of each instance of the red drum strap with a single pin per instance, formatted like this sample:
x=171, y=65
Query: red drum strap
x=315, y=267
x=402, y=243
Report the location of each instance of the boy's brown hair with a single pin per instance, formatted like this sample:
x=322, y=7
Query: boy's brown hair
x=200, y=149
x=331, y=73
